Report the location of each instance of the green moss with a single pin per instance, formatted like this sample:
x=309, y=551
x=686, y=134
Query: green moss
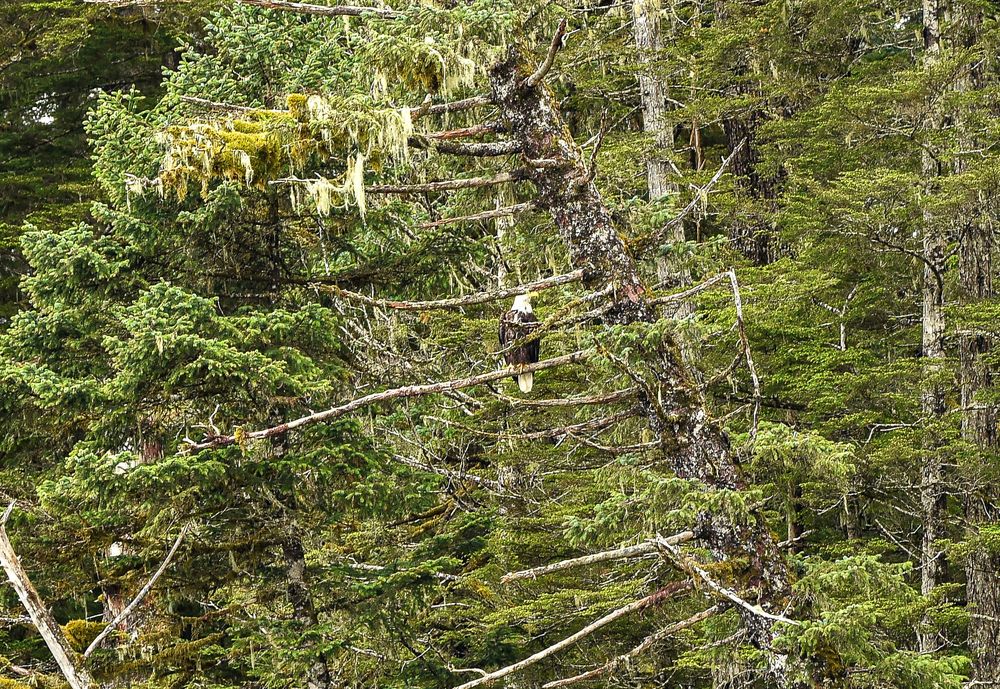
x=298, y=106
x=81, y=633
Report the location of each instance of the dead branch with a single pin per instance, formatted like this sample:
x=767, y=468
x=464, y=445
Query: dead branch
x=474, y=130
x=50, y=631
x=215, y=105
x=616, y=396
x=702, y=194
x=143, y=592
x=485, y=149
x=653, y=638
x=680, y=296
x=744, y=340
x=543, y=69
x=597, y=424
x=485, y=215
x=656, y=598
x=454, y=106
x=447, y=184
x=643, y=548
x=480, y=481
x=673, y=554
x=459, y=302
x=385, y=395
x=323, y=10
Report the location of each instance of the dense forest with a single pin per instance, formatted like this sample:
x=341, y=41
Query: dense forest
x=510, y=343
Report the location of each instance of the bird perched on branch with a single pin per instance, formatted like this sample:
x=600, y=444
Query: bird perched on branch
x=516, y=324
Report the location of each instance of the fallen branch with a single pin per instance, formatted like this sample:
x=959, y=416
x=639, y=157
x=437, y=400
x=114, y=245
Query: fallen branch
x=143, y=592
x=643, y=548
x=50, y=631
x=535, y=78
x=653, y=638
x=459, y=302
x=394, y=393
x=660, y=596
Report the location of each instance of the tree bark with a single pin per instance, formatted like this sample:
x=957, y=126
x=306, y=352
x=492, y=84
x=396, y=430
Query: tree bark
x=932, y=403
x=694, y=446
x=979, y=417
x=303, y=610
x=654, y=97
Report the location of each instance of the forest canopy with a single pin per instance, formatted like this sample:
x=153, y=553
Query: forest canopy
x=491, y=343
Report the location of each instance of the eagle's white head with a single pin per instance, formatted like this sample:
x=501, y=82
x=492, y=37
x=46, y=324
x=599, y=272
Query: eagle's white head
x=522, y=303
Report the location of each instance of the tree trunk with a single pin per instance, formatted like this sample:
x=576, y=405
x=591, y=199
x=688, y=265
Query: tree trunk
x=694, y=446
x=979, y=417
x=654, y=96
x=303, y=610
x=932, y=402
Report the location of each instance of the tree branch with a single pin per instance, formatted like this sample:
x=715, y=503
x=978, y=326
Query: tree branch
x=459, y=302
x=50, y=631
x=686, y=564
x=143, y=592
x=394, y=393
x=643, y=548
x=656, y=598
x=323, y=10
x=616, y=396
x=646, y=643
x=485, y=215
x=543, y=69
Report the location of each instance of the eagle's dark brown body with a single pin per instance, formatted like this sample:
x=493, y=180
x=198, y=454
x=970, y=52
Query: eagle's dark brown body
x=514, y=325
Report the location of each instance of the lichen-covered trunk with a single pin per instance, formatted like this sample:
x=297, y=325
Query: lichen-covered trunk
x=694, y=446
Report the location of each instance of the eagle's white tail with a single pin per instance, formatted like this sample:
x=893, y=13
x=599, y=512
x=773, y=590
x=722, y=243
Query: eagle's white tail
x=525, y=381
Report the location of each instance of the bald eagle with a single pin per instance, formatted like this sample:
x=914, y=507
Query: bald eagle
x=515, y=324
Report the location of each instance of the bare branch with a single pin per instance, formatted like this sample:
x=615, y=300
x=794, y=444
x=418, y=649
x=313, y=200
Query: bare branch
x=385, y=395
x=616, y=396
x=701, y=194
x=597, y=424
x=427, y=187
x=485, y=215
x=686, y=564
x=460, y=302
x=454, y=106
x=744, y=340
x=653, y=638
x=476, y=150
x=656, y=598
x=474, y=130
x=550, y=58
x=143, y=592
x=643, y=548
x=50, y=631
x=323, y=10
